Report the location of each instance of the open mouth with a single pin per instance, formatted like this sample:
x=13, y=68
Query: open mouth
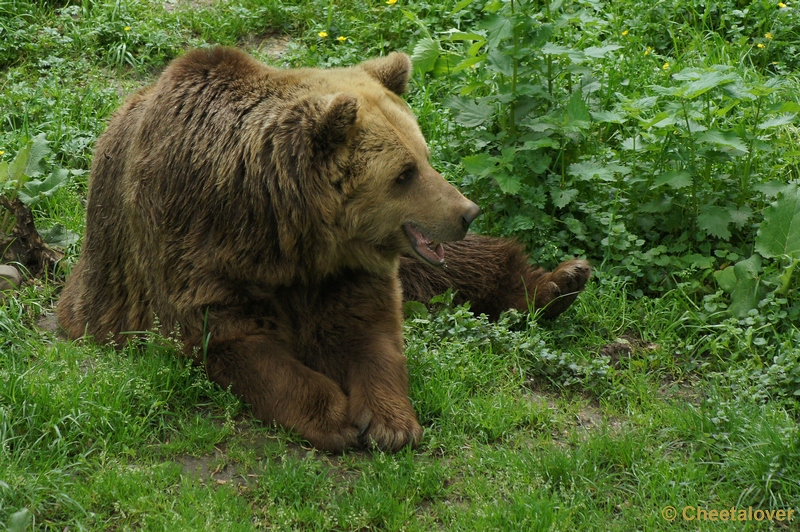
x=427, y=249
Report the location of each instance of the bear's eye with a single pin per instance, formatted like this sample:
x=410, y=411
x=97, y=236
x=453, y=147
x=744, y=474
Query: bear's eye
x=406, y=176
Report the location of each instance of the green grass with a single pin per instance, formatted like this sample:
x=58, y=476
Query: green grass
x=648, y=393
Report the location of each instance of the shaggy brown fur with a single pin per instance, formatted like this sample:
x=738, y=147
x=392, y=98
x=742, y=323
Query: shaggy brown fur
x=261, y=213
x=493, y=274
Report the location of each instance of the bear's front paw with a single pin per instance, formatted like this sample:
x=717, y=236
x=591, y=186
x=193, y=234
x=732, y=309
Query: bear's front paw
x=559, y=288
x=334, y=441
x=389, y=427
x=322, y=419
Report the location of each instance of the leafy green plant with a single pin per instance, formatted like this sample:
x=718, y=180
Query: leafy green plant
x=655, y=183
x=777, y=242
x=19, y=181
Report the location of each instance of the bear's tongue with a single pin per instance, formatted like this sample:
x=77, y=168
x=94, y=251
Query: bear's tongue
x=429, y=250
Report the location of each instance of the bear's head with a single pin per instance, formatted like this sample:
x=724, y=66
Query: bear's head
x=382, y=197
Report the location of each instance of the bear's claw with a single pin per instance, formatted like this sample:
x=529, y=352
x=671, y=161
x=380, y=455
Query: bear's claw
x=389, y=431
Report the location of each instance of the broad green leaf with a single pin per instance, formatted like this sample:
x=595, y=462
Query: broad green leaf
x=461, y=5
x=676, y=179
x=20, y=521
x=663, y=204
x=40, y=148
x=415, y=309
x=425, y=54
x=470, y=113
x=660, y=120
x=741, y=215
x=770, y=188
x=576, y=56
x=598, y=52
x=518, y=222
x=591, y=170
x=611, y=117
x=620, y=169
x=410, y=15
x=561, y=197
x=555, y=49
x=742, y=283
x=445, y=64
x=498, y=28
x=785, y=279
x=538, y=162
x=788, y=107
x=507, y=156
x=475, y=48
x=576, y=227
x=509, y=183
x=3, y=171
x=738, y=91
x=779, y=233
x=724, y=138
x=697, y=261
x=501, y=62
x=577, y=112
x=544, y=142
x=34, y=190
x=16, y=170
x=726, y=279
x=636, y=143
x=456, y=35
x=714, y=220
x=781, y=120
x=537, y=36
x=642, y=104
x=467, y=90
x=705, y=83
x=480, y=164
x=58, y=235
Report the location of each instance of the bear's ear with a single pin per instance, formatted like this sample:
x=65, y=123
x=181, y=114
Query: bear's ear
x=337, y=119
x=393, y=71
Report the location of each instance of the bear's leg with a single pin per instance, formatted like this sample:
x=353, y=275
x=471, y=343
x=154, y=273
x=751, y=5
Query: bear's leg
x=377, y=381
x=355, y=337
x=493, y=274
x=280, y=388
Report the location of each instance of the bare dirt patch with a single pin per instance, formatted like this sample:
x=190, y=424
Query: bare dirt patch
x=584, y=415
x=172, y=5
x=49, y=323
x=272, y=45
x=625, y=347
x=222, y=467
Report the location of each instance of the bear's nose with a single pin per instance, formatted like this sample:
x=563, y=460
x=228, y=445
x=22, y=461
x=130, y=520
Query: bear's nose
x=472, y=212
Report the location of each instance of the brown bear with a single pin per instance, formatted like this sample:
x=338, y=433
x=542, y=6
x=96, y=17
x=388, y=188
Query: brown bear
x=261, y=214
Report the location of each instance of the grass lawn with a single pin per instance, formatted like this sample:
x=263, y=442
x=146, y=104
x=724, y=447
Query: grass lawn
x=659, y=141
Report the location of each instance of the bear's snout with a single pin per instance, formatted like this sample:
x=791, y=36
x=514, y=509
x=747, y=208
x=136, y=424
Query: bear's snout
x=469, y=216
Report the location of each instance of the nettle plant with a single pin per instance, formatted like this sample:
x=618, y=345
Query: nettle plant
x=659, y=183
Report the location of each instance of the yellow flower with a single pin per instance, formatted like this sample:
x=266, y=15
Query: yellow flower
x=2, y=152
x=391, y=2
x=323, y=34
x=624, y=33
x=760, y=45
x=781, y=5
x=341, y=38
x=647, y=52
x=665, y=66
x=768, y=35
x=127, y=28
